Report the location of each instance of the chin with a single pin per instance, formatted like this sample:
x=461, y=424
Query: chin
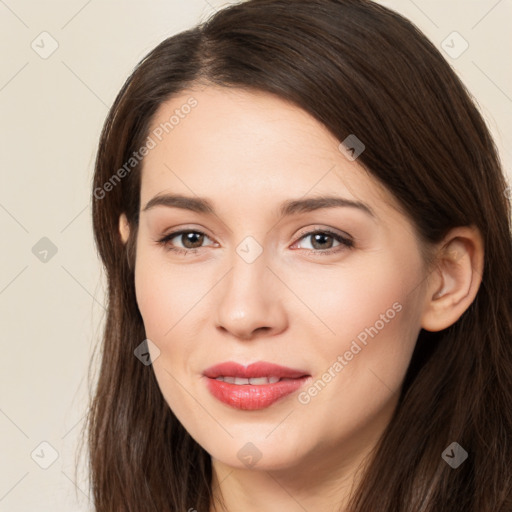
x=255, y=453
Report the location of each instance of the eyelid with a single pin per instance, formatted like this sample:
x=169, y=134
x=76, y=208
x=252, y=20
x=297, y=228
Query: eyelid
x=185, y=229
x=322, y=229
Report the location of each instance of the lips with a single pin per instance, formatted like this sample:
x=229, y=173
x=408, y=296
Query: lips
x=255, y=370
x=252, y=387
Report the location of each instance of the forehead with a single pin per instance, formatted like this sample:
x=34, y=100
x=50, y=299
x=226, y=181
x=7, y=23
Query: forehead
x=231, y=143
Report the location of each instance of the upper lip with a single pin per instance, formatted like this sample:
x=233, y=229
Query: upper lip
x=254, y=370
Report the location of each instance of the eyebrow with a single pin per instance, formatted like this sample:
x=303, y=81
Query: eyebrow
x=287, y=208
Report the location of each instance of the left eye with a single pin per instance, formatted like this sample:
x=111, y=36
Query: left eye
x=323, y=240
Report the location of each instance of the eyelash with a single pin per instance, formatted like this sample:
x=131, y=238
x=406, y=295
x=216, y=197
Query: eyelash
x=346, y=243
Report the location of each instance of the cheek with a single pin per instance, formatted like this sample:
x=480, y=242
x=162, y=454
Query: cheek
x=153, y=301
x=360, y=368
x=371, y=319
x=165, y=299
x=165, y=294
x=374, y=293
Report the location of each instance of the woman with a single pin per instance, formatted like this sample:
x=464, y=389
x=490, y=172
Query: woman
x=306, y=235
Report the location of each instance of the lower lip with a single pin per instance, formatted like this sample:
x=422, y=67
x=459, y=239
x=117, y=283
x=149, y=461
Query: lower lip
x=251, y=397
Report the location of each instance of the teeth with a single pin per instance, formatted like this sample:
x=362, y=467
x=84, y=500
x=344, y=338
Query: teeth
x=257, y=381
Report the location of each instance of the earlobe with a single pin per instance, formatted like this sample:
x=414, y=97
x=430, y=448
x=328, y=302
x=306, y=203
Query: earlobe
x=458, y=274
x=124, y=228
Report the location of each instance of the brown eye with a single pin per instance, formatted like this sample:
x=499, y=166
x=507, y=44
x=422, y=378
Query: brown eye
x=324, y=242
x=191, y=241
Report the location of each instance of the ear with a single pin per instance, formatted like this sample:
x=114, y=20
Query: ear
x=454, y=282
x=124, y=228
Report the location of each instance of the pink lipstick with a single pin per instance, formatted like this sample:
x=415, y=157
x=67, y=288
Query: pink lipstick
x=252, y=387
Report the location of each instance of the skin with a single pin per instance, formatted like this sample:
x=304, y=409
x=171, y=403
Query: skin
x=247, y=152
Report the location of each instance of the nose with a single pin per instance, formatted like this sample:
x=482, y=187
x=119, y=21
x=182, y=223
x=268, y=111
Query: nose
x=251, y=301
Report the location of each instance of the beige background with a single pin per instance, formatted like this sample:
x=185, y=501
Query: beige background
x=52, y=110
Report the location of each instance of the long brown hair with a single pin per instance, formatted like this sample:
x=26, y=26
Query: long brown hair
x=361, y=69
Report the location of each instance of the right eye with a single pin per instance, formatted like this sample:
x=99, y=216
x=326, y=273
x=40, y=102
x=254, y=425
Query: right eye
x=191, y=241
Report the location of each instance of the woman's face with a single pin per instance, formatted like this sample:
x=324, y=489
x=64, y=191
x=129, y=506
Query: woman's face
x=331, y=290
